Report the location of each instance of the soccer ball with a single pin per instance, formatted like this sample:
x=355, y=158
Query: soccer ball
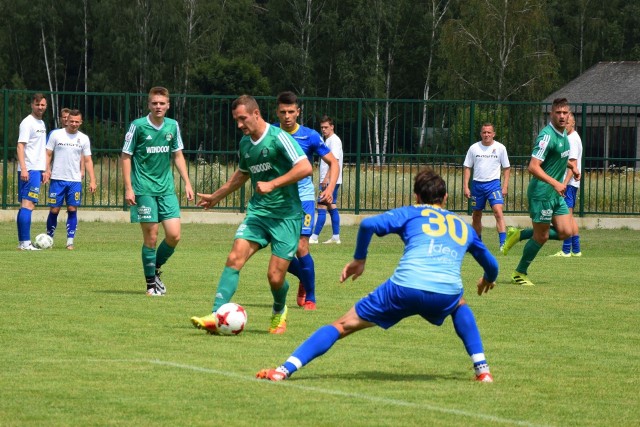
x=230, y=319
x=43, y=241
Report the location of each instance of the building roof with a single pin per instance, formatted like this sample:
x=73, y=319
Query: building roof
x=604, y=83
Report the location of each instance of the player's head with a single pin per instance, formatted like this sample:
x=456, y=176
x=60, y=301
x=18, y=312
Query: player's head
x=64, y=114
x=487, y=132
x=571, y=123
x=158, y=102
x=430, y=188
x=287, y=110
x=560, y=113
x=326, y=126
x=74, y=120
x=246, y=113
x=38, y=105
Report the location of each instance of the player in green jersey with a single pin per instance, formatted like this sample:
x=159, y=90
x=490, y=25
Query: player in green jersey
x=274, y=162
x=149, y=145
x=548, y=165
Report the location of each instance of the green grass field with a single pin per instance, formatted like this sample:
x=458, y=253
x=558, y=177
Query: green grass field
x=80, y=343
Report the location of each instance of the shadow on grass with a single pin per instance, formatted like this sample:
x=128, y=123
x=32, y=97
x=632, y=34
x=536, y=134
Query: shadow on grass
x=390, y=376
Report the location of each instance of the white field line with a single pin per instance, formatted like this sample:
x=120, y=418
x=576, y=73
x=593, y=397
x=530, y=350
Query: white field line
x=358, y=396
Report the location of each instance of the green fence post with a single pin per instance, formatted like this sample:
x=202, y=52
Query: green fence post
x=358, y=153
x=472, y=124
x=5, y=154
x=583, y=132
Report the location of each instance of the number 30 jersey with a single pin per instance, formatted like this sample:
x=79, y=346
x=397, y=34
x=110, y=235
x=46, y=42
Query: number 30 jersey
x=436, y=241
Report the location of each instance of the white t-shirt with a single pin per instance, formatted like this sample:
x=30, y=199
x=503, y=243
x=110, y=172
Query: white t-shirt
x=575, y=152
x=335, y=144
x=68, y=150
x=33, y=134
x=487, y=161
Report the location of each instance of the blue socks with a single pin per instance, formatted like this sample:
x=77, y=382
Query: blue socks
x=335, y=221
x=308, y=276
x=465, y=325
x=321, y=218
x=314, y=346
x=52, y=223
x=72, y=223
x=24, y=224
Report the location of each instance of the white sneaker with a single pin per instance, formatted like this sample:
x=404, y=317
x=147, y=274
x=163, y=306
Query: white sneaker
x=313, y=241
x=27, y=247
x=332, y=240
x=154, y=292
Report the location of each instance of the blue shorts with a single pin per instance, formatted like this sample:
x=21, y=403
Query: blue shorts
x=309, y=208
x=69, y=192
x=483, y=191
x=389, y=303
x=571, y=196
x=30, y=190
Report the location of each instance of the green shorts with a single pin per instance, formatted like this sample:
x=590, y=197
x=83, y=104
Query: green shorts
x=541, y=211
x=155, y=208
x=283, y=234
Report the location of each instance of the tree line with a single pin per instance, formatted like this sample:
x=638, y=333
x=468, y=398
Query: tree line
x=502, y=50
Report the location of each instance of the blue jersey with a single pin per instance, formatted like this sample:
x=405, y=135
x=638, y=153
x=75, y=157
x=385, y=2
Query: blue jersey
x=436, y=241
x=311, y=143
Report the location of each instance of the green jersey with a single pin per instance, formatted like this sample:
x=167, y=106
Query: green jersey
x=552, y=148
x=273, y=155
x=150, y=148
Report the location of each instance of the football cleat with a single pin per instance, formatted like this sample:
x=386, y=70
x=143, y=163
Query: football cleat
x=208, y=323
x=520, y=279
x=313, y=241
x=271, y=375
x=302, y=295
x=159, y=284
x=513, y=237
x=561, y=254
x=332, y=240
x=279, y=322
x=27, y=247
x=576, y=254
x=70, y=247
x=484, y=377
x=310, y=306
x=154, y=292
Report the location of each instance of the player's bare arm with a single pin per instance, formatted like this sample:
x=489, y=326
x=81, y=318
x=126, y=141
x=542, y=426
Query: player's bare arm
x=24, y=173
x=236, y=181
x=181, y=165
x=300, y=170
x=88, y=162
x=466, y=176
x=326, y=195
x=535, y=169
x=506, y=173
x=129, y=195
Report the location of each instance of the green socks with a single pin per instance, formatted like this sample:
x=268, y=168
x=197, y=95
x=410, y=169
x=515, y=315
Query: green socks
x=226, y=287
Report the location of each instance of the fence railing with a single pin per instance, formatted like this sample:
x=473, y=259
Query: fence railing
x=385, y=143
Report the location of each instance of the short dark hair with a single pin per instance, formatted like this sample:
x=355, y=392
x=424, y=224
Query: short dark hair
x=248, y=101
x=430, y=187
x=559, y=102
x=64, y=110
x=487, y=124
x=326, y=119
x=37, y=97
x=74, y=112
x=287, y=98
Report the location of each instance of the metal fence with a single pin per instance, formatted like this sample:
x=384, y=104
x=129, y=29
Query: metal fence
x=385, y=143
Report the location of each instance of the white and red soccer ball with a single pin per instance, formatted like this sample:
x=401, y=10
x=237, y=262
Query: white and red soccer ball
x=231, y=318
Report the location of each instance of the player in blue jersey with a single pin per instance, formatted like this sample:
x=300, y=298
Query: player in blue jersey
x=427, y=281
x=302, y=266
